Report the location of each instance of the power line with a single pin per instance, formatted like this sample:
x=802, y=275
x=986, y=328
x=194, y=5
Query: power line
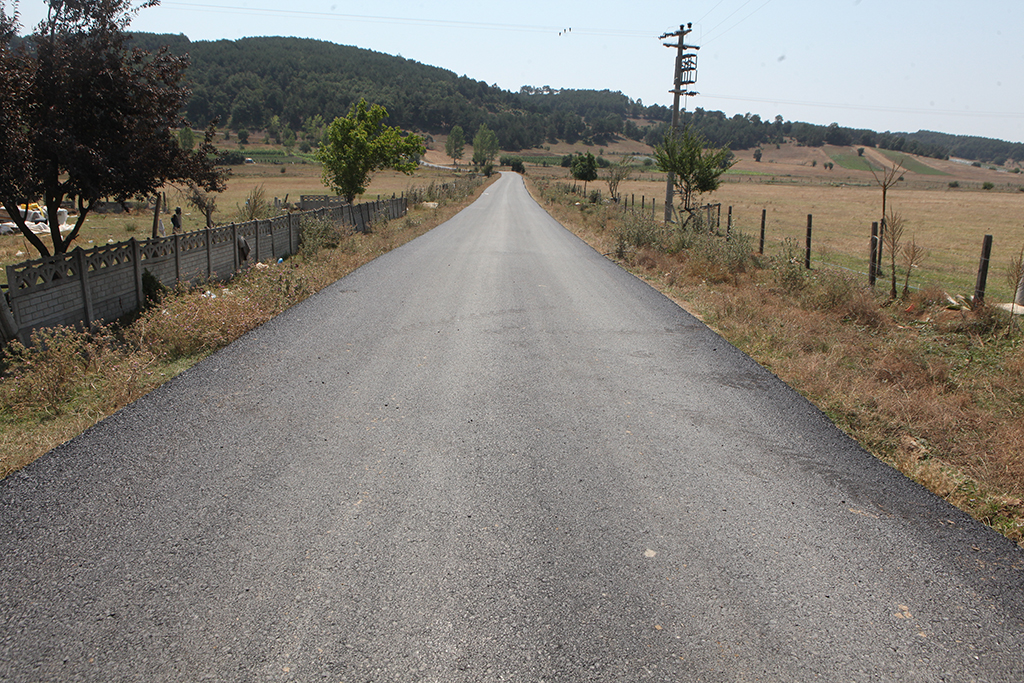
x=759, y=8
x=408, y=21
x=864, y=107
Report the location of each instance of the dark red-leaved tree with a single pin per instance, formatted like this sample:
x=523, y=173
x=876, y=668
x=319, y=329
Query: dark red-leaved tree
x=85, y=117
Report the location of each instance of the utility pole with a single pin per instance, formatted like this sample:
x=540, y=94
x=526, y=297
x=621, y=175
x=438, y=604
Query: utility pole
x=685, y=76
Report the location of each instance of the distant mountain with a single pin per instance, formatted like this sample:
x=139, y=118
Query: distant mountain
x=293, y=86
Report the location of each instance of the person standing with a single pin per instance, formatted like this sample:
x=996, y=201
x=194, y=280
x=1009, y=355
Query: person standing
x=176, y=221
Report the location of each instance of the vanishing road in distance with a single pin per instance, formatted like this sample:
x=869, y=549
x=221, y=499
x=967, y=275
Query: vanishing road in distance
x=490, y=455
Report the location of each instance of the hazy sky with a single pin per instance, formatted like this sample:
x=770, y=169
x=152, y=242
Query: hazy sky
x=898, y=65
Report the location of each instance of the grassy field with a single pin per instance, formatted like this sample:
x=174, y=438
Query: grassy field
x=935, y=392
x=282, y=181
x=851, y=161
x=949, y=223
x=911, y=163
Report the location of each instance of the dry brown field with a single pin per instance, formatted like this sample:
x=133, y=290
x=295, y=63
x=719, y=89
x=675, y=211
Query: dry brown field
x=295, y=180
x=789, y=183
x=950, y=223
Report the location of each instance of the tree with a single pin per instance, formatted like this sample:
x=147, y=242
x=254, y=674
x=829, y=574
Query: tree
x=455, y=143
x=695, y=170
x=617, y=173
x=888, y=178
x=357, y=145
x=757, y=154
x=186, y=138
x=584, y=167
x=485, y=145
x=82, y=116
x=892, y=237
x=203, y=201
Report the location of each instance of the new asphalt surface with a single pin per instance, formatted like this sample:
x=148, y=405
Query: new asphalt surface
x=490, y=455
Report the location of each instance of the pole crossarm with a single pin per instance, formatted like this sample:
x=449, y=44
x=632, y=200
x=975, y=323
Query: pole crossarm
x=686, y=63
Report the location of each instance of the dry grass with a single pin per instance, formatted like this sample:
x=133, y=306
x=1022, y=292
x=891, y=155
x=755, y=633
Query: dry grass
x=937, y=393
x=68, y=380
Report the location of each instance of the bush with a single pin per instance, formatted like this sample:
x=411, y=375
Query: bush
x=567, y=161
x=44, y=374
x=987, y=185
x=231, y=158
x=488, y=169
x=518, y=166
x=316, y=234
x=954, y=184
x=638, y=229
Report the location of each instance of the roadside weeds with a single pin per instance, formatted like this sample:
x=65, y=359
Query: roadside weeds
x=68, y=379
x=934, y=392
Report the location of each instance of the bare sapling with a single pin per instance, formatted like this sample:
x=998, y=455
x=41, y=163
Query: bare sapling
x=891, y=238
x=617, y=173
x=886, y=179
x=1015, y=279
x=913, y=254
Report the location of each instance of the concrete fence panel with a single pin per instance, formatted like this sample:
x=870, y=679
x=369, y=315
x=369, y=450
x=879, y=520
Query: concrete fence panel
x=105, y=283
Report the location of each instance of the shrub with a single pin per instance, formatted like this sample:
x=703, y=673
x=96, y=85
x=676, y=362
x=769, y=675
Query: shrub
x=789, y=273
x=518, y=166
x=44, y=374
x=954, y=184
x=567, y=161
x=987, y=185
x=316, y=234
x=232, y=158
x=637, y=229
x=488, y=169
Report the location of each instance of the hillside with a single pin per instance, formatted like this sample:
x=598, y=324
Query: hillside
x=247, y=83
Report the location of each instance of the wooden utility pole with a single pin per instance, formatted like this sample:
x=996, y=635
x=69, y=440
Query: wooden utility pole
x=685, y=76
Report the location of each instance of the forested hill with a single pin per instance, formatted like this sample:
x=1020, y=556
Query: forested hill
x=305, y=83
x=246, y=82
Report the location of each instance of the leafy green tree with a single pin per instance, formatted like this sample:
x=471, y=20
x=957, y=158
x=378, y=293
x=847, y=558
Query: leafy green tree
x=584, y=167
x=187, y=138
x=243, y=136
x=357, y=145
x=83, y=116
x=695, y=169
x=485, y=145
x=455, y=144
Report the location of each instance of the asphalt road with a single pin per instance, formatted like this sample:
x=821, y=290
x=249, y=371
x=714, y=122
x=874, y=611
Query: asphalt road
x=490, y=455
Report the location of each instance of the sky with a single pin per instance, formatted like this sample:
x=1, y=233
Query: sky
x=886, y=65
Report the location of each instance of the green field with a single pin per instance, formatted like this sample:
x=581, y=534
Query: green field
x=852, y=162
x=910, y=163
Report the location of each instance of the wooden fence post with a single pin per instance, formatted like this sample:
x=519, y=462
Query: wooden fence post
x=764, y=214
x=728, y=226
x=979, y=287
x=873, y=266
x=807, y=253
